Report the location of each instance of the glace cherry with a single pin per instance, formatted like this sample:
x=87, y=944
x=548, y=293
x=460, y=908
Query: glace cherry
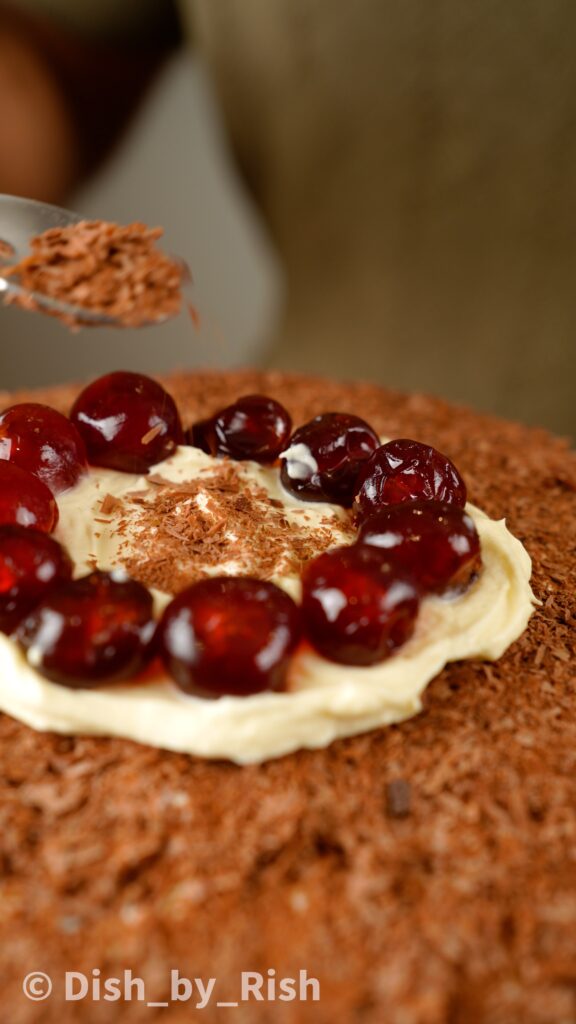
x=255, y=427
x=31, y=564
x=42, y=441
x=93, y=630
x=25, y=500
x=325, y=456
x=356, y=607
x=229, y=635
x=436, y=543
x=128, y=422
x=405, y=470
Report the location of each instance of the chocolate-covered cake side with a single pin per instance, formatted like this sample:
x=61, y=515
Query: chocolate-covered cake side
x=422, y=873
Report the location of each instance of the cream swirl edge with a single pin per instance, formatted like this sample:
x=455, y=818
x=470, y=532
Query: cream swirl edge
x=326, y=701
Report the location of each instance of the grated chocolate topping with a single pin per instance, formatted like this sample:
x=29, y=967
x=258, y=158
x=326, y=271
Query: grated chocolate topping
x=183, y=531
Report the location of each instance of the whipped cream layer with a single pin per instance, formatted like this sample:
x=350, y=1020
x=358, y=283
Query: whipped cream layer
x=109, y=520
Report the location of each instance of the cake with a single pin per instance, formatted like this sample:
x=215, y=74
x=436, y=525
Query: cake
x=420, y=873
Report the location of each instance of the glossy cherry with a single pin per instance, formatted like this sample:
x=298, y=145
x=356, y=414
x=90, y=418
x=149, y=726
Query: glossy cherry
x=93, y=630
x=128, y=422
x=25, y=500
x=436, y=543
x=31, y=565
x=42, y=441
x=356, y=607
x=325, y=456
x=229, y=635
x=255, y=427
x=405, y=470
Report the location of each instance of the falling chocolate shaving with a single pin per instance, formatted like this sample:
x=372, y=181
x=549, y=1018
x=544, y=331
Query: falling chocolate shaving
x=6, y=250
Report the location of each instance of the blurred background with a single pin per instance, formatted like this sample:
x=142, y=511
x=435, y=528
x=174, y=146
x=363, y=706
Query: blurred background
x=381, y=190
x=185, y=182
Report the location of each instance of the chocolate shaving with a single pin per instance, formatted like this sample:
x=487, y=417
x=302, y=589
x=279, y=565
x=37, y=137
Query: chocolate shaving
x=151, y=434
x=110, y=503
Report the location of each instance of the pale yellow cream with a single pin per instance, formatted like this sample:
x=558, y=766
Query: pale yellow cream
x=325, y=700
x=87, y=538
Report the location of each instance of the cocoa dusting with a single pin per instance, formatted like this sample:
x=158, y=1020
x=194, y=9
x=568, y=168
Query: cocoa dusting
x=103, y=268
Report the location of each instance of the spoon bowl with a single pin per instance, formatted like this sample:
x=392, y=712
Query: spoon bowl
x=22, y=219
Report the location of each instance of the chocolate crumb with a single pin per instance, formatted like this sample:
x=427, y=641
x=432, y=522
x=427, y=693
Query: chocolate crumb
x=398, y=798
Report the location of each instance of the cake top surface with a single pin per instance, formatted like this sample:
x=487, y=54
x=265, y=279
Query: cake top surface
x=428, y=866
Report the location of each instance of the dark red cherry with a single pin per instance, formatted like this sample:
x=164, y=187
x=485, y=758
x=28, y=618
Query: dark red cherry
x=325, y=456
x=31, y=564
x=42, y=441
x=93, y=630
x=357, y=609
x=405, y=470
x=255, y=427
x=229, y=635
x=436, y=543
x=202, y=435
x=24, y=499
x=128, y=422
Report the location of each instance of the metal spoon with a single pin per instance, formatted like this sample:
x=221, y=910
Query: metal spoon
x=22, y=219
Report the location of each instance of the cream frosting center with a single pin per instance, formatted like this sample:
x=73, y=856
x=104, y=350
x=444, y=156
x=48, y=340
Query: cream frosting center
x=323, y=700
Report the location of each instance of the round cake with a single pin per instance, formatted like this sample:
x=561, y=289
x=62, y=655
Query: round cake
x=418, y=874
